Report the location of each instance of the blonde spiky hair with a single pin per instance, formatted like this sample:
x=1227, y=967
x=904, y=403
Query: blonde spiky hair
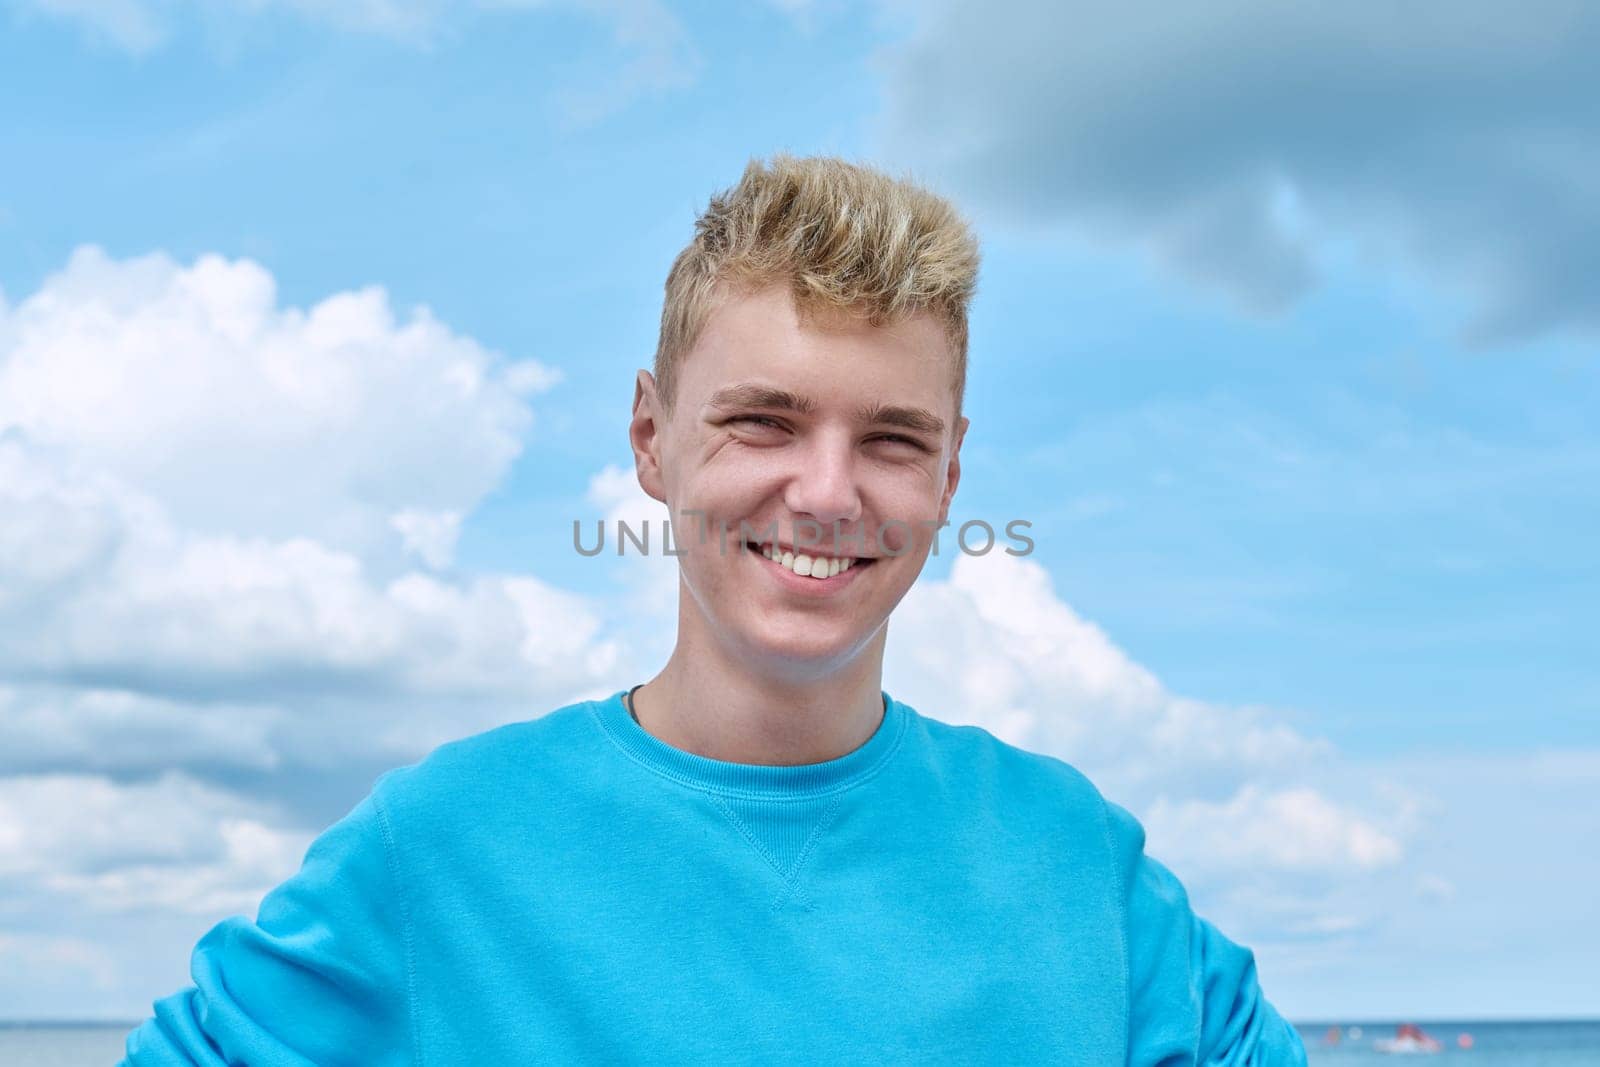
x=845, y=237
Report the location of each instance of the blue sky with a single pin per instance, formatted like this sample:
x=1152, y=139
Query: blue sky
x=1284, y=343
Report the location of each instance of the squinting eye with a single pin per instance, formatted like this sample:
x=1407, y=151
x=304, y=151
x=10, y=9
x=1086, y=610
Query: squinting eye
x=759, y=420
x=897, y=439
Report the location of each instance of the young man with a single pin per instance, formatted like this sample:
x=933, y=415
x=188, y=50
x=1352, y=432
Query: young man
x=759, y=855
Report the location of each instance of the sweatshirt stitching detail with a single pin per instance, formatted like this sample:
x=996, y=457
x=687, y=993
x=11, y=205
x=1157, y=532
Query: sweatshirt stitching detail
x=749, y=835
x=760, y=847
x=391, y=855
x=794, y=889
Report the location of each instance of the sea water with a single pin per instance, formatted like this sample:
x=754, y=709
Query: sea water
x=1465, y=1044
x=62, y=1044
x=1493, y=1044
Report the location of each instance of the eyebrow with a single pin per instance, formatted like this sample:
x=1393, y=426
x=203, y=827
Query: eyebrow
x=751, y=395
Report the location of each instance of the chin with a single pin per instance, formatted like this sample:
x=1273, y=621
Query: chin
x=819, y=651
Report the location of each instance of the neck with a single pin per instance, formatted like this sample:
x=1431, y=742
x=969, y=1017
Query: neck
x=714, y=703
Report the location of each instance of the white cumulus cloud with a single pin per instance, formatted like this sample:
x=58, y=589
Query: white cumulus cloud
x=999, y=647
x=237, y=414
x=209, y=504
x=1295, y=829
x=168, y=844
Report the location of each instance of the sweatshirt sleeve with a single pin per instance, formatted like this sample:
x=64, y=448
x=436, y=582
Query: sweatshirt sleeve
x=321, y=977
x=1193, y=995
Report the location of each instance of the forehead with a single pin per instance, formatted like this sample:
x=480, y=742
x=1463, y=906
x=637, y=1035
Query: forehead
x=761, y=336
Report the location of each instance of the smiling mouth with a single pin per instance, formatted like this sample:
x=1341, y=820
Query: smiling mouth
x=811, y=566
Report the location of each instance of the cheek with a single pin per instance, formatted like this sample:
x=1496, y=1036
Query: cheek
x=904, y=507
x=732, y=486
x=896, y=536
x=711, y=505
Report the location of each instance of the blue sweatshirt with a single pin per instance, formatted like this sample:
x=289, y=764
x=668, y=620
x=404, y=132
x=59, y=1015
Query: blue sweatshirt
x=574, y=890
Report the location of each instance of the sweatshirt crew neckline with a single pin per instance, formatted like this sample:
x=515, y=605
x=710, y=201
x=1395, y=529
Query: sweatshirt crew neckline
x=756, y=780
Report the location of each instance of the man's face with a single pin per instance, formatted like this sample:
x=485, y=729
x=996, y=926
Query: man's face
x=796, y=431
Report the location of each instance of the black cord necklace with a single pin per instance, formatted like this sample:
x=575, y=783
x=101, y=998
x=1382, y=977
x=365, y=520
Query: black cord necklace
x=627, y=702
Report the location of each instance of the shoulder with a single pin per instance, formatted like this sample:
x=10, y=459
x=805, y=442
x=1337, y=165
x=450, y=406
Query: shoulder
x=985, y=764
x=513, y=760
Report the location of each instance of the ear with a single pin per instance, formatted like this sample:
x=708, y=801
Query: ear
x=645, y=433
x=953, y=477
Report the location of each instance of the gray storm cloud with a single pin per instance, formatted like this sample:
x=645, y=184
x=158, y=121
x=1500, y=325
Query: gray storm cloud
x=1229, y=141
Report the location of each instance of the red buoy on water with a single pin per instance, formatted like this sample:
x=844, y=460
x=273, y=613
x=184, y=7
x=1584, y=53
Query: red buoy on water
x=1463, y=1040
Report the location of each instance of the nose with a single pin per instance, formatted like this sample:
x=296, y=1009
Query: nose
x=823, y=486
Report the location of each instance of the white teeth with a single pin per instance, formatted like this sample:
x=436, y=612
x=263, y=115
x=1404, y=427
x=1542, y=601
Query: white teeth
x=820, y=567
